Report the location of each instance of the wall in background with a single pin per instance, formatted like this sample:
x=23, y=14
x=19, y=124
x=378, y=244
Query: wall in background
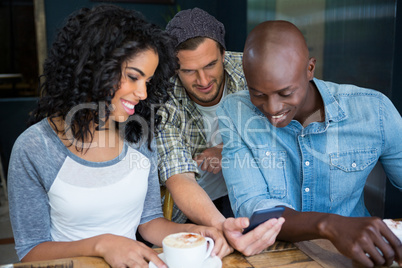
x=396, y=84
x=233, y=14
x=230, y=12
x=359, y=43
x=17, y=48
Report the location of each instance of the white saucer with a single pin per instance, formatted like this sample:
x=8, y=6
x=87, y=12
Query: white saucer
x=211, y=262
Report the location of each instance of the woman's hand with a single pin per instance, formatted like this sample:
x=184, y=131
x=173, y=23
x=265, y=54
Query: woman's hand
x=121, y=251
x=221, y=248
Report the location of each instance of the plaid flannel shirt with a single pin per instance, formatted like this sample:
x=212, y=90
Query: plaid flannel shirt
x=181, y=135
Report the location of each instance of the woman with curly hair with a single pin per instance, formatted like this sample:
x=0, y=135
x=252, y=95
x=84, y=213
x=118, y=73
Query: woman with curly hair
x=83, y=177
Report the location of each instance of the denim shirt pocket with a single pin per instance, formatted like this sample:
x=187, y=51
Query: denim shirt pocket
x=272, y=165
x=349, y=170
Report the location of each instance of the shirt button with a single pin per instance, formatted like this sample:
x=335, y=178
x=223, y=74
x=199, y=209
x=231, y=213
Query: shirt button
x=268, y=153
x=354, y=165
x=307, y=163
x=307, y=190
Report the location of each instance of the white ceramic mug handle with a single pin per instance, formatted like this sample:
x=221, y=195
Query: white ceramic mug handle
x=210, y=247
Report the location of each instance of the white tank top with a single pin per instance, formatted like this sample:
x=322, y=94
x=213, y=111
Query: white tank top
x=213, y=184
x=86, y=200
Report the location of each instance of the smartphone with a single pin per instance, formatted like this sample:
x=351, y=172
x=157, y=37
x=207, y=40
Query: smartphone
x=263, y=215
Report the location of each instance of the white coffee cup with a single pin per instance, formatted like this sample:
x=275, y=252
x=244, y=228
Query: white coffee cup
x=395, y=226
x=184, y=250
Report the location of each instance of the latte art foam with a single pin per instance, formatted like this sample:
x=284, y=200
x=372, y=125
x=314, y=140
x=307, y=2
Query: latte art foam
x=184, y=240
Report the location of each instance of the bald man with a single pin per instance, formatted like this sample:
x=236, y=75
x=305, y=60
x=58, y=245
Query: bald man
x=295, y=141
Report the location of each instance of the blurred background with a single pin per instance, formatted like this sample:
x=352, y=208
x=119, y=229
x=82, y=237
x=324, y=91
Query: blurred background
x=354, y=41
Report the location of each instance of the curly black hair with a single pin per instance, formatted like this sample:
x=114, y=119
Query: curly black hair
x=84, y=66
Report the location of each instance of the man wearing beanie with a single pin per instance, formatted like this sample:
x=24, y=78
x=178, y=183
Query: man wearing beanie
x=188, y=139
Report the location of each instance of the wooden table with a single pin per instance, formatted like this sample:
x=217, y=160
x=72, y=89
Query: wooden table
x=281, y=254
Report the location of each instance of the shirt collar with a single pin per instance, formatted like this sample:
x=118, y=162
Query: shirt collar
x=333, y=111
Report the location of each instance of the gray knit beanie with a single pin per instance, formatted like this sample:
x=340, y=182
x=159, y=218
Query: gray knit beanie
x=195, y=22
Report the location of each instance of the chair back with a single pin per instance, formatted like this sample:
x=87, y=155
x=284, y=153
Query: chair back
x=167, y=203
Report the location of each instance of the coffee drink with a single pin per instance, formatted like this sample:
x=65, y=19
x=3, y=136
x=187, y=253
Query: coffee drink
x=184, y=240
x=184, y=250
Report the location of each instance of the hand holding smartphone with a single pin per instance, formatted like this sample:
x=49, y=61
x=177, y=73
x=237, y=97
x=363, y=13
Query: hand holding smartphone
x=263, y=215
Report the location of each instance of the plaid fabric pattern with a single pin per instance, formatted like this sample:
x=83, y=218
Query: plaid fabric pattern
x=181, y=136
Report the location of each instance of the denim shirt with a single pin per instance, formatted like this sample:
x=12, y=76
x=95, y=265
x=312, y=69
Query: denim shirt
x=322, y=167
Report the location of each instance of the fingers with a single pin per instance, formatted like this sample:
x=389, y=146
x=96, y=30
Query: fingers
x=199, y=159
x=385, y=246
x=210, y=160
x=360, y=256
x=157, y=261
x=395, y=244
x=388, y=245
x=272, y=229
x=139, y=257
x=137, y=262
x=130, y=253
x=225, y=251
x=398, y=254
x=368, y=241
x=262, y=236
x=150, y=255
x=219, y=245
x=205, y=164
x=236, y=224
x=382, y=254
x=212, y=164
x=221, y=248
x=375, y=255
x=254, y=241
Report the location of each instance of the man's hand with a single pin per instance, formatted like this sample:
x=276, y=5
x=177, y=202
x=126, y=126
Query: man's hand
x=210, y=159
x=221, y=248
x=363, y=240
x=254, y=241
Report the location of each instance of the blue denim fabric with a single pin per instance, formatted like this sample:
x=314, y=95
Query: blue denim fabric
x=322, y=167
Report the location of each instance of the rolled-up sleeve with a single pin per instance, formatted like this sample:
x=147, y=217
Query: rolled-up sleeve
x=247, y=187
x=174, y=152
